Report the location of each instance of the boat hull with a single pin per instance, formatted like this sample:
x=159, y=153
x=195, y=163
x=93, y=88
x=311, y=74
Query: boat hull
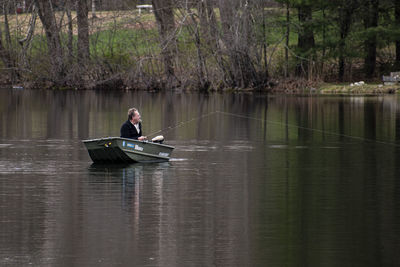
x=124, y=150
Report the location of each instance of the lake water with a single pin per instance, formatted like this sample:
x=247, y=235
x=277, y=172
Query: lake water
x=255, y=180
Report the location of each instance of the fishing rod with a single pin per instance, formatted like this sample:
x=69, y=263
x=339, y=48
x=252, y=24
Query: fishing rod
x=182, y=123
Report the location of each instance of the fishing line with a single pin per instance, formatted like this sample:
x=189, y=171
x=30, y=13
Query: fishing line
x=180, y=124
x=307, y=128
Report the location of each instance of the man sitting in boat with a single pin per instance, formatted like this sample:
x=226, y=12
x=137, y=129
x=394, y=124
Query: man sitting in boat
x=132, y=128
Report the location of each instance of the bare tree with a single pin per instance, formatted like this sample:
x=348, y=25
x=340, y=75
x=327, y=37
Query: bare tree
x=164, y=13
x=211, y=38
x=47, y=17
x=208, y=21
x=68, y=8
x=237, y=37
x=26, y=41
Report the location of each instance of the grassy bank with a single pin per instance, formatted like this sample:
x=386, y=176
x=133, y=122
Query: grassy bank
x=364, y=89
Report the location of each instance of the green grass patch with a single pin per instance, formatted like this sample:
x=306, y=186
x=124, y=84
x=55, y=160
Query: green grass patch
x=365, y=89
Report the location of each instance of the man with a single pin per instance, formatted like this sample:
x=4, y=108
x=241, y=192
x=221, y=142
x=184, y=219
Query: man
x=132, y=128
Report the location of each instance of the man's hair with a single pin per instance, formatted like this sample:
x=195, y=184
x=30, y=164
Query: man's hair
x=131, y=113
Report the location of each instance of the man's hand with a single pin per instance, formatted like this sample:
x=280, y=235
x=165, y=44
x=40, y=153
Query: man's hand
x=142, y=138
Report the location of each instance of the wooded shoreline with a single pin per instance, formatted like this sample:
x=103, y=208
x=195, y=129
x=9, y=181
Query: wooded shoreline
x=271, y=46
x=286, y=89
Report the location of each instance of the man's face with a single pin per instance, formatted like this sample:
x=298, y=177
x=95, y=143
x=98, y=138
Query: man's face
x=136, y=117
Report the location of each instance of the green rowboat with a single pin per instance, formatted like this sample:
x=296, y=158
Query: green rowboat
x=124, y=150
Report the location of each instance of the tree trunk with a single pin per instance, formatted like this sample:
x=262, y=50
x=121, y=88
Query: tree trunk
x=287, y=39
x=83, y=32
x=370, y=21
x=306, y=40
x=397, y=18
x=264, y=44
x=5, y=57
x=323, y=39
x=47, y=17
x=202, y=10
x=94, y=9
x=6, y=52
x=70, y=30
x=345, y=16
x=227, y=10
x=6, y=9
x=164, y=13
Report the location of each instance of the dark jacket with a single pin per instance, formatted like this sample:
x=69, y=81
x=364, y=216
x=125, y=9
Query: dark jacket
x=128, y=130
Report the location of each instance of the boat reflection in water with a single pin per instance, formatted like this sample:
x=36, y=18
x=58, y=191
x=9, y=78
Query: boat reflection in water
x=129, y=178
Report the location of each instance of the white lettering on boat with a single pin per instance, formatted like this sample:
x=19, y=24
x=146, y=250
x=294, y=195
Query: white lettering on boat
x=137, y=147
x=163, y=154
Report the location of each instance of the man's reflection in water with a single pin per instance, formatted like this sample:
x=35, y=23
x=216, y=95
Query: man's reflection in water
x=133, y=179
x=126, y=177
x=130, y=190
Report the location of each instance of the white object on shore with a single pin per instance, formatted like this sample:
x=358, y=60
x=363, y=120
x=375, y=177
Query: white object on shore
x=140, y=7
x=357, y=83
